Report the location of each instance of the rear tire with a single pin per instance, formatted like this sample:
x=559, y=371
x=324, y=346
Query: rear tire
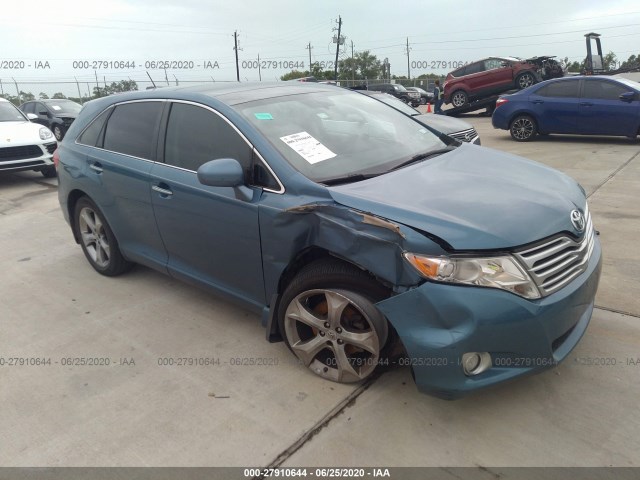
x=523, y=128
x=328, y=319
x=97, y=239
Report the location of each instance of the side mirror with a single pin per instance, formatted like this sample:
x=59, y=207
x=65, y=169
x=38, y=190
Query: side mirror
x=628, y=96
x=44, y=113
x=222, y=172
x=32, y=116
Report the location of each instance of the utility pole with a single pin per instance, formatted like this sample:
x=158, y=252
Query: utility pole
x=309, y=47
x=335, y=71
x=166, y=79
x=408, y=70
x=97, y=86
x=1, y=87
x=177, y=83
x=235, y=39
x=259, y=70
x=353, y=64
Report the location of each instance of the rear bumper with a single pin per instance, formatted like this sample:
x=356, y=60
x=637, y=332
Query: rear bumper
x=438, y=323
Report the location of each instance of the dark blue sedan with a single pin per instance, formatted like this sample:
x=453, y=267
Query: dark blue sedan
x=596, y=105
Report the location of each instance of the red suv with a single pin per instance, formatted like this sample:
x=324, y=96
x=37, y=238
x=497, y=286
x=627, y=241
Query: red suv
x=487, y=77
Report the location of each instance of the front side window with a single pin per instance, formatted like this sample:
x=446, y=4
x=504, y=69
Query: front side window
x=566, y=89
x=603, y=90
x=196, y=135
x=327, y=135
x=132, y=129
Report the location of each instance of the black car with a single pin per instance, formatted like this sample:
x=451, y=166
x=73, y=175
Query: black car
x=57, y=114
x=398, y=91
x=425, y=97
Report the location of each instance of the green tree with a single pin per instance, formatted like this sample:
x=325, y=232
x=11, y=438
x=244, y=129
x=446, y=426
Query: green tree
x=610, y=61
x=43, y=96
x=58, y=95
x=632, y=62
x=26, y=97
x=363, y=65
x=293, y=74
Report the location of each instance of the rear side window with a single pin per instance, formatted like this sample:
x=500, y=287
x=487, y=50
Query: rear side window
x=92, y=132
x=132, y=129
x=567, y=89
x=603, y=90
x=196, y=135
x=474, y=68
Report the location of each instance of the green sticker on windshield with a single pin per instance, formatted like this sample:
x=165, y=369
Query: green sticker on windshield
x=263, y=116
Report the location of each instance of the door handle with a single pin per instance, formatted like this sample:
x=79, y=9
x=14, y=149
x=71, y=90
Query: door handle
x=96, y=167
x=162, y=190
x=538, y=102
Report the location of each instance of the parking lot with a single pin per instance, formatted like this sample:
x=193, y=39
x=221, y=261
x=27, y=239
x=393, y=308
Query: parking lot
x=133, y=411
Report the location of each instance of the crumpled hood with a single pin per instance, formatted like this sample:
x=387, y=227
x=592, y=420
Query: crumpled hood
x=473, y=198
x=14, y=134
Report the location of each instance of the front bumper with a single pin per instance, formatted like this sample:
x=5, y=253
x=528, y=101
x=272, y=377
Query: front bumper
x=27, y=157
x=438, y=323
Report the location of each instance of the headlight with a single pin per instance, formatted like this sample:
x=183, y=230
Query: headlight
x=45, y=133
x=502, y=272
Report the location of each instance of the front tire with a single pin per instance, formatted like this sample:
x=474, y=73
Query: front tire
x=523, y=128
x=329, y=321
x=49, y=171
x=97, y=239
x=525, y=80
x=459, y=98
x=58, y=132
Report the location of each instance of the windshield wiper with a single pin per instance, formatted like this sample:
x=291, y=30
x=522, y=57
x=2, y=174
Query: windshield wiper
x=424, y=156
x=354, y=177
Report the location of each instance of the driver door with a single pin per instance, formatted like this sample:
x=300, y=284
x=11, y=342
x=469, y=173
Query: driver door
x=211, y=233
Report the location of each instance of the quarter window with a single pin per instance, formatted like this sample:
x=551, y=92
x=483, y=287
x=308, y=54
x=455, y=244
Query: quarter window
x=603, y=90
x=92, y=133
x=132, y=129
x=567, y=89
x=196, y=135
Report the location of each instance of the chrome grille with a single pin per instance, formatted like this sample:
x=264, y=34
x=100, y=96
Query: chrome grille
x=465, y=135
x=553, y=264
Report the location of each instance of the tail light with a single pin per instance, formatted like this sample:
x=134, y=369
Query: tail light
x=501, y=101
x=56, y=158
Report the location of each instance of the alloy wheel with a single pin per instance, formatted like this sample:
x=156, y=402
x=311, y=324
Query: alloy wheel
x=525, y=80
x=522, y=128
x=332, y=336
x=94, y=237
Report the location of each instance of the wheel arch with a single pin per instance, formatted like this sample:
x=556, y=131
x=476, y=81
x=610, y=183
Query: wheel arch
x=72, y=200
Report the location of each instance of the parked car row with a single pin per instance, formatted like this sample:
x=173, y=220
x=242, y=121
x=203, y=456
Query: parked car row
x=56, y=115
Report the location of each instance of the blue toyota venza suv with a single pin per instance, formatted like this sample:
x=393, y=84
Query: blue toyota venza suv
x=360, y=235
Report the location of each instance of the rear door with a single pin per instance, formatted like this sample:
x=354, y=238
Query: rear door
x=498, y=77
x=476, y=78
x=211, y=233
x=117, y=175
x=555, y=106
x=603, y=113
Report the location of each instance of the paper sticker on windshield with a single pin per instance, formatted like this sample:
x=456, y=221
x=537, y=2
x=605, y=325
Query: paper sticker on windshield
x=263, y=116
x=308, y=147
x=56, y=107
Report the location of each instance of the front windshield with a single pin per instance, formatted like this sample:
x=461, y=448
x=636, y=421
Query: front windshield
x=62, y=107
x=328, y=135
x=9, y=113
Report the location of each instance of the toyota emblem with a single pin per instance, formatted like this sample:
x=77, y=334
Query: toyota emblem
x=577, y=220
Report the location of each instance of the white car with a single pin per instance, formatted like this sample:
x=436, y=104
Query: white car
x=24, y=145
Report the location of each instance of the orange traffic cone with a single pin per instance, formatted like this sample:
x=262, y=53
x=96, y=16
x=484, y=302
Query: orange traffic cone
x=428, y=107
